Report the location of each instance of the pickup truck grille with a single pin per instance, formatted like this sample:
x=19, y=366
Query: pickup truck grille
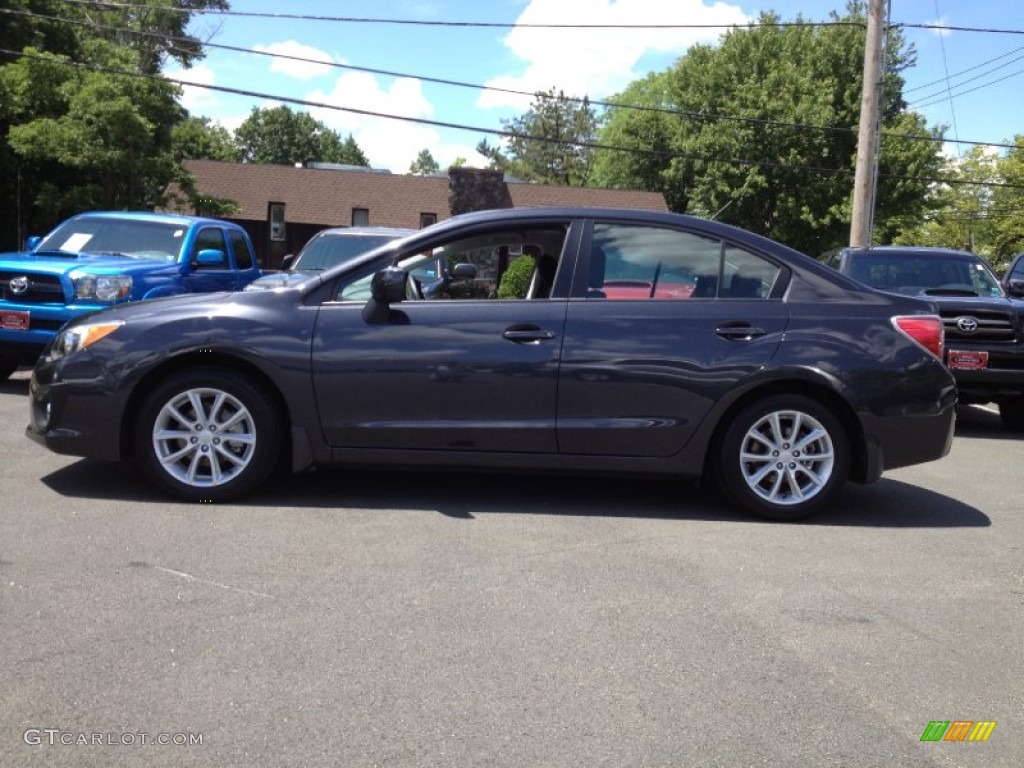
x=992, y=325
x=40, y=289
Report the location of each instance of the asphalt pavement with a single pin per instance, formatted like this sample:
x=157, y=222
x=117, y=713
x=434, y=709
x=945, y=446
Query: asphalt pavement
x=391, y=619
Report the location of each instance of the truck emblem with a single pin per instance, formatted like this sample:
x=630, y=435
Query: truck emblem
x=967, y=324
x=19, y=285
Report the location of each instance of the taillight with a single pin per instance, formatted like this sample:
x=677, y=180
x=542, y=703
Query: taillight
x=926, y=330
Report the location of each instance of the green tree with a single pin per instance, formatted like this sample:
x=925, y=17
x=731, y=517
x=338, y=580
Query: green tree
x=644, y=130
x=73, y=136
x=960, y=210
x=1008, y=203
x=760, y=130
x=90, y=139
x=156, y=30
x=424, y=164
x=199, y=138
x=348, y=153
x=281, y=136
x=550, y=143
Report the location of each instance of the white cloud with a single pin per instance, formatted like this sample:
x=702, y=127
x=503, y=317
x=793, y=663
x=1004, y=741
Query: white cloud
x=196, y=98
x=314, y=62
x=598, y=62
x=391, y=144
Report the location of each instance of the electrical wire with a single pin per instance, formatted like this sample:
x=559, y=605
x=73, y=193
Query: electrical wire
x=693, y=114
x=104, y=4
x=965, y=71
x=666, y=154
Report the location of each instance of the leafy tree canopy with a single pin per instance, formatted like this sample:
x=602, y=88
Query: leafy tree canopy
x=1008, y=203
x=761, y=131
x=424, y=164
x=74, y=134
x=281, y=136
x=549, y=143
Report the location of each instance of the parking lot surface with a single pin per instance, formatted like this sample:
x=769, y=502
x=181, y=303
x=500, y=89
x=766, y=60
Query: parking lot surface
x=388, y=619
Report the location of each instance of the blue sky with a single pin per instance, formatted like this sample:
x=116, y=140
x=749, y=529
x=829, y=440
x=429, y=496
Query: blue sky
x=982, y=103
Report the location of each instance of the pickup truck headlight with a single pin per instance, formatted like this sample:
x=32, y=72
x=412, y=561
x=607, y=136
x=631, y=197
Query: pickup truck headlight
x=77, y=337
x=102, y=287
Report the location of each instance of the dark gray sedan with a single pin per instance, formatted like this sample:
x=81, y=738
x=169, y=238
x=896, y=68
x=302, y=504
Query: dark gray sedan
x=570, y=340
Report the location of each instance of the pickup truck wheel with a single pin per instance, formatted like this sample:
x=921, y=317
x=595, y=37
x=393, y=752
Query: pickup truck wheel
x=783, y=457
x=207, y=434
x=1012, y=413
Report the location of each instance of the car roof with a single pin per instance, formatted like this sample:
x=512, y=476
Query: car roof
x=366, y=231
x=640, y=215
x=910, y=250
x=168, y=218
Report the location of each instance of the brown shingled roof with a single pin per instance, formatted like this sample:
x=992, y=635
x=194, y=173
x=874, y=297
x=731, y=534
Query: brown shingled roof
x=326, y=197
x=320, y=196
x=533, y=195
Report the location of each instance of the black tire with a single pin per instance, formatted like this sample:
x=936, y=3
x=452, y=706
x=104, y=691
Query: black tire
x=1011, y=411
x=762, y=470
x=207, y=435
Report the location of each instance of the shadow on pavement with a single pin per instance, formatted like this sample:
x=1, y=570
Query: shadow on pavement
x=981, y=421
x=16, y=385
x=886, y=504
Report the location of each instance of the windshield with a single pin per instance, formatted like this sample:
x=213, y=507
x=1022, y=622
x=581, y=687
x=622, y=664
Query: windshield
x=329, y=250
x=123, y=237
x=932, y=273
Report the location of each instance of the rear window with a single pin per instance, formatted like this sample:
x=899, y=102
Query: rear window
x=919, y=273
x=329, y=250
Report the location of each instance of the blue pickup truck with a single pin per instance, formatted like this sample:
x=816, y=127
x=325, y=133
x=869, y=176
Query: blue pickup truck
x=94, y=260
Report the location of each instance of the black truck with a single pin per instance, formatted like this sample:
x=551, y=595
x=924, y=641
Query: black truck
x=983, y=319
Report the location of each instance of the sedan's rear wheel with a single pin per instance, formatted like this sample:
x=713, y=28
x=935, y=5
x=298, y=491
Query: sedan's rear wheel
x=783, y=457
x=207, y=435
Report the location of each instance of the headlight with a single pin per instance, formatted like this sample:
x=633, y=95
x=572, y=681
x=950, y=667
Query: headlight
x=102, y=287
x=79, y=337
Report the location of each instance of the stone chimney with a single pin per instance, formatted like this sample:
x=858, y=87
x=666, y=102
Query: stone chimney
x=476, y=189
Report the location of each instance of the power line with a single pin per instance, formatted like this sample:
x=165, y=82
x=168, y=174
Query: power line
x=920, y=105
x=945, y=65
x=950, y=86
x=964, y=71
x=947, y=28
x=103, y=4
x=696, y=115
x=503, y=133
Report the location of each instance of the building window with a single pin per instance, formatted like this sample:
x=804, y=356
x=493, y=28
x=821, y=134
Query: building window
x=360, y=217
x=276, y=216
x=426, y=219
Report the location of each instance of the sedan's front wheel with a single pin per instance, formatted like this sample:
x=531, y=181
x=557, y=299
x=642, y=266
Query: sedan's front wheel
x=783, y=457
x=207, y=434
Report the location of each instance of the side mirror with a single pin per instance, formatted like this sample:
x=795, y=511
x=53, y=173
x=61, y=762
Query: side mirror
x=464, y=272
x=211, y=258
x=287, y=260
x=388, y=287
x=1015, y=287
x=32, y=242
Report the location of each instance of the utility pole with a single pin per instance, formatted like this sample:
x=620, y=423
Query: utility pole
x=863, y=218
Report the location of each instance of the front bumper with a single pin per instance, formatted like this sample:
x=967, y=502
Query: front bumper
x=79, y=416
